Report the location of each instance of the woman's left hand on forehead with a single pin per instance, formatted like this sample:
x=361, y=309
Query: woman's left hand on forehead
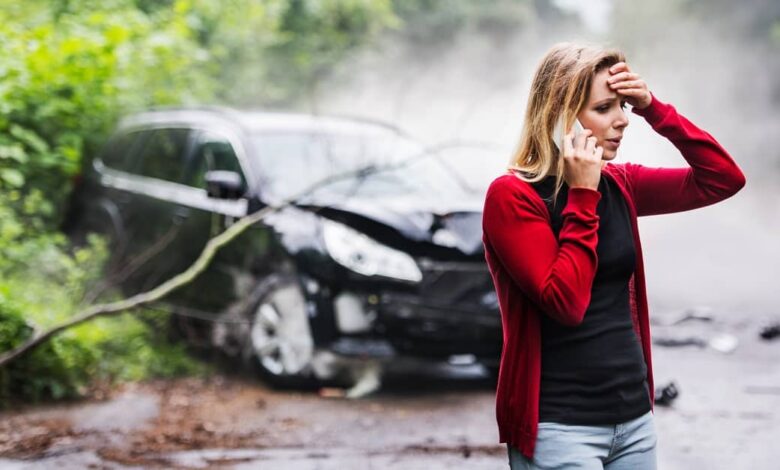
x=630, y=85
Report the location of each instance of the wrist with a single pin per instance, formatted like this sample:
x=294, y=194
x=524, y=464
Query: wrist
x=646, y=102
x=584, y=197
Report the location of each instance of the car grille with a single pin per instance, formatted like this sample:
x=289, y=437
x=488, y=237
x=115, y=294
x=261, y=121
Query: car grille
x=452, y=283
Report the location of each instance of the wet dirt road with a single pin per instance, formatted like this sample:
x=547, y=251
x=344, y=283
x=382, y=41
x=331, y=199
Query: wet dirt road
x=241, y=423
x=725, y=417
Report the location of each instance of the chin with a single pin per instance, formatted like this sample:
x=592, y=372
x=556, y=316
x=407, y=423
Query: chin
x=608, y=156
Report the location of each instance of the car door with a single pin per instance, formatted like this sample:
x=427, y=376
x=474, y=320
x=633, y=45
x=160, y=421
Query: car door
x=216, y=287
x=151, y=195
x=105, y=201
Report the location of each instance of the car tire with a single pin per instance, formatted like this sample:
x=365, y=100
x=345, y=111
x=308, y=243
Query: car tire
x=279, y=342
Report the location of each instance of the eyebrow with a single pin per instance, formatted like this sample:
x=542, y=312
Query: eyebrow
x=607, y=100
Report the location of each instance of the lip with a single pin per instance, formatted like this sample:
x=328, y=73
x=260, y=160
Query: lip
x=615, y=142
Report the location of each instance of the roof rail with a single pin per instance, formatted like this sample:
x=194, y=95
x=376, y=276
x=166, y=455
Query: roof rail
x=235, y=114
x=198, y=107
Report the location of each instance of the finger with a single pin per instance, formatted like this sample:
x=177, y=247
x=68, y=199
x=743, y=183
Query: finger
x=579, y=141
x=619, y=67
x=590, y=145
x=628, y=84
x=632, y=92
x=618, y=77
x=599, y=153
x=568, y=147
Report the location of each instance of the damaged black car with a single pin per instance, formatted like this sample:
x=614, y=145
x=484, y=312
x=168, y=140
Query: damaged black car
x=381, y=265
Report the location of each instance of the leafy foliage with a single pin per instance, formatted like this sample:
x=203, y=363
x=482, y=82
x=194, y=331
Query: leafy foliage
x=65, y=82
x=57, y=370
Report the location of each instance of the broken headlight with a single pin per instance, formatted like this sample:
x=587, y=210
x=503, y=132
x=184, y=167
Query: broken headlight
x=365, y=255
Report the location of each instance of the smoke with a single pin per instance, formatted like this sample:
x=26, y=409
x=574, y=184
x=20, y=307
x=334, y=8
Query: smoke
x=471, y=89
x=474, y=88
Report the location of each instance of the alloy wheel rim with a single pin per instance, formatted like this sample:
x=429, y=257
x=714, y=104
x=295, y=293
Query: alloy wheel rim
x=281, y=337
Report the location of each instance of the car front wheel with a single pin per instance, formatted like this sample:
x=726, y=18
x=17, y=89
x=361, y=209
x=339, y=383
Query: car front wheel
x=280, y=340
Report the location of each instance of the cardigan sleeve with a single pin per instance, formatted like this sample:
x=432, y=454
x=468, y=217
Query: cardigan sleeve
x=711, y=177
x=556, y=274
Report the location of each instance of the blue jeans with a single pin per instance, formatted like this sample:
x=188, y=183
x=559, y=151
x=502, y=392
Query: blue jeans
x=629, y=445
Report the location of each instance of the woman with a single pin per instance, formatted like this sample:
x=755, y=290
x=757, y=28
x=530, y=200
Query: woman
x=575, y=386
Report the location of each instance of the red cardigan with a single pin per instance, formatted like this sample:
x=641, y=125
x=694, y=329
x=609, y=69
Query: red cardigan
x=536, y=274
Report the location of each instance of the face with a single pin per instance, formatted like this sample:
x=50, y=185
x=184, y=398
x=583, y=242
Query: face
x=604, y=115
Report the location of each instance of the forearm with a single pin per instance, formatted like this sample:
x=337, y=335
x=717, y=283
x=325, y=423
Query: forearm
x=557, y=275
x=712, y=175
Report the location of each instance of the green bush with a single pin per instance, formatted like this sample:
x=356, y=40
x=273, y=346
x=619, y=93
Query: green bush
x=58, y=369
x=106, y=350
x=65, y=81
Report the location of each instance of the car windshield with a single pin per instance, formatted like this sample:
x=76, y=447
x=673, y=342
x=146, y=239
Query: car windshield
x=476, y=164
x=397, y=166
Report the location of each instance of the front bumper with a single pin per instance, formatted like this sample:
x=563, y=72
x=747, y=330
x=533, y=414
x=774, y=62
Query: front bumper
x=418, y=328
x=452, y=312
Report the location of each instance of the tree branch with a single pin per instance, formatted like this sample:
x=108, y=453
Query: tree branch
x=185, y=277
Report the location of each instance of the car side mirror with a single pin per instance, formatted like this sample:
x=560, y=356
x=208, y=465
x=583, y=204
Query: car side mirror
x=223, y=184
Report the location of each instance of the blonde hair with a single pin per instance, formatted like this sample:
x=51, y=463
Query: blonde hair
x=560, y=89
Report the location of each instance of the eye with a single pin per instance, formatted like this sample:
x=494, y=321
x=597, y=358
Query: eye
x=605, y=108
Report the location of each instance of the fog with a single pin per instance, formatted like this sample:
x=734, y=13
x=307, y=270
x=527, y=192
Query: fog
x=474, y=88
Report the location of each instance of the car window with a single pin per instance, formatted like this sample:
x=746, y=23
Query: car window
x=212, y=152
x=398, y=167
x=424, y=177
x=162, y=155
x=119, y=151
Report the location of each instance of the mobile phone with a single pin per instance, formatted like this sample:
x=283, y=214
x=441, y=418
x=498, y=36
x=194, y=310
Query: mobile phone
x=558, y=132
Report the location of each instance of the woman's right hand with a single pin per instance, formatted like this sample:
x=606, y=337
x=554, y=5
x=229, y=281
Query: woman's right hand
x=582, y=160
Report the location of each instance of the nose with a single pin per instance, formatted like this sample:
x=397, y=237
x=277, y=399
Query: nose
x=622, y=120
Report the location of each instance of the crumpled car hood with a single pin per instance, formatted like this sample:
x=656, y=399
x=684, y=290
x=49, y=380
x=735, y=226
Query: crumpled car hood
x=456, y=224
